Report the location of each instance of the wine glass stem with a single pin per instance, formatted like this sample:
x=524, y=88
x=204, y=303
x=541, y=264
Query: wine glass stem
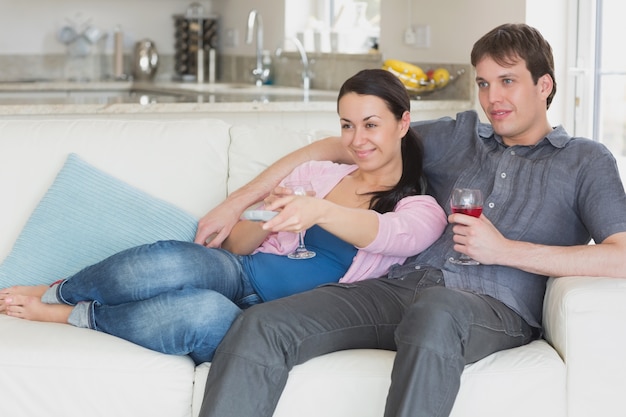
x=301, y=240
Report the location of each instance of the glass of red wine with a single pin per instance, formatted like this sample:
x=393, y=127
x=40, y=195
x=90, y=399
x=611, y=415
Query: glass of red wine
x=466, y=201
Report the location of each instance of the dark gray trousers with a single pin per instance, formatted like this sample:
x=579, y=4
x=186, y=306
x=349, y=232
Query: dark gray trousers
x=435, y=330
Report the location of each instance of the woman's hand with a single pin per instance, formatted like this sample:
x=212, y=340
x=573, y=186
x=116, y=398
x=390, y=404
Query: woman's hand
x=296, y=213
x=358, y=227
x=300, y=212
x=216, y=225
x=277, y=193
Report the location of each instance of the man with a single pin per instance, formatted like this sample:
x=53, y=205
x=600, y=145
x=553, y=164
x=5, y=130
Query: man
x=546, y=195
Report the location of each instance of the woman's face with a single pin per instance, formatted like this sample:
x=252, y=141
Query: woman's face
x=371, y=132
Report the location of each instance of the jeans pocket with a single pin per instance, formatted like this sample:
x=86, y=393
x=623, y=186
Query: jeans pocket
x=512, y=323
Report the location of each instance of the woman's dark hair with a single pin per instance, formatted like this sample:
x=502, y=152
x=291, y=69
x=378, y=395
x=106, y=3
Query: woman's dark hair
x=385, y=85
x=508, y=43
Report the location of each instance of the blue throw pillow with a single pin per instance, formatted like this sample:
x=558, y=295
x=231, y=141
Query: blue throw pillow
x=86, y=216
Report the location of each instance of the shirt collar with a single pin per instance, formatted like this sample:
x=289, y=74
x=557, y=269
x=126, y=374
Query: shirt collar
x=557, y=137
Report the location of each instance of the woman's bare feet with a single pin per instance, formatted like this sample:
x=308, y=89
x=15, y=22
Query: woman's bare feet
x=28, y=290
x=30, y=307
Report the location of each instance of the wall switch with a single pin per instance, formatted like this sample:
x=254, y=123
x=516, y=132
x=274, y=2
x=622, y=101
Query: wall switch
x=409, y=36
x=422, y=36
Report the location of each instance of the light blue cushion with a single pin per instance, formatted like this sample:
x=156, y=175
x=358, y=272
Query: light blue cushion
x=86, y=216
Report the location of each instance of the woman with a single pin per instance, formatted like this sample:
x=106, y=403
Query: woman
x=181, y=298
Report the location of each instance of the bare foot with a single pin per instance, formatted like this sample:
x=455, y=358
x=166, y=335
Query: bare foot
x=31, y=308
x=30, y=290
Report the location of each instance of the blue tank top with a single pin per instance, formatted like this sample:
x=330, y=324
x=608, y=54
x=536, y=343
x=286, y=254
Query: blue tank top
x=276, y=276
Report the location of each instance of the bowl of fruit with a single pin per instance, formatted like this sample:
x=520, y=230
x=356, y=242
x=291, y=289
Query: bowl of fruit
x=416, y=80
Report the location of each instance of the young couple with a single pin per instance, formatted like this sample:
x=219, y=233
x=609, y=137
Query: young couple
x=547, y=194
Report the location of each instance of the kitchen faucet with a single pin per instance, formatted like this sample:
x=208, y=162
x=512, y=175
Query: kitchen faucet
x=306, y=67
x=260, y=74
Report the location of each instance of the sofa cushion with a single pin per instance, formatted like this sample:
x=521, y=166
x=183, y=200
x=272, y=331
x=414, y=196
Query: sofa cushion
x=85, y=216
x=57, y=370
x=254, y=148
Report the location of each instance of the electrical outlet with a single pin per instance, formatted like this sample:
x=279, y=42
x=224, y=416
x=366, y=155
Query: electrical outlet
x=409, y=36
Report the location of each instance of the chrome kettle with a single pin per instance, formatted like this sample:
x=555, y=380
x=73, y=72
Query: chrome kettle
x=145, y=60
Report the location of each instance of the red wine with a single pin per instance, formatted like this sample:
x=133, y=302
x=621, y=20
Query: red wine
x=469, y=210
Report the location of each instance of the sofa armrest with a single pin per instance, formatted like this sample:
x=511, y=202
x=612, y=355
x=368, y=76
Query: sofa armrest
x=585, y=321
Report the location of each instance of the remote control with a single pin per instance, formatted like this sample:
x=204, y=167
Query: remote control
x=259, y=215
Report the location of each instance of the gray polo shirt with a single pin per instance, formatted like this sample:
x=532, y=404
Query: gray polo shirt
x=562, y=191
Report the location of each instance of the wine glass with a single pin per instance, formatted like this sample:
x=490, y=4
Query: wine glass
x=466, y=201
x=301, y=188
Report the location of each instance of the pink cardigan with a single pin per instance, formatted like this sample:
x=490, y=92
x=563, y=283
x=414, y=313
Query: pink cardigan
x=416, y=222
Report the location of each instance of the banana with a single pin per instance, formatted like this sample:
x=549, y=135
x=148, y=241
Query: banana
x=410, y=75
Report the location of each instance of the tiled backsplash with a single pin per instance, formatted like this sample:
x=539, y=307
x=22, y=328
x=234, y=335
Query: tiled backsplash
x=56, y=67
x=329, y=70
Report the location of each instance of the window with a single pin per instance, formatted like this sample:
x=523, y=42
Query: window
x=599, y=110
x=344, y=26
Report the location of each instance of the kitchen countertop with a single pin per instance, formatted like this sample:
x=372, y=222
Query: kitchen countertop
x=118, y=97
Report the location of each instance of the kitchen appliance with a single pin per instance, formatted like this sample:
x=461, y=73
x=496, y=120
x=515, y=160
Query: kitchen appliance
x=145, y=60
x=195, y=36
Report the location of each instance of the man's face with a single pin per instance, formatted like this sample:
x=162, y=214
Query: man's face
x=513, y=103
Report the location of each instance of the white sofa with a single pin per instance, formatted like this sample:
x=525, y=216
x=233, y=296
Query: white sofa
x=58, y=370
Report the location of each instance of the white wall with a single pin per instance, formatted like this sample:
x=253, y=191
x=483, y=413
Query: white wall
x=454, y=24
x=234, y=15
x=29, y=27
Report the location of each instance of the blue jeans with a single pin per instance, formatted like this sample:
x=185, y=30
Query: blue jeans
x=173, y=297
x=435, y=330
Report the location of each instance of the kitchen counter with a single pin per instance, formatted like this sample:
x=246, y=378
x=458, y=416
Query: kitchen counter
x=116, y=97
x=37, y=97
x=241, y=102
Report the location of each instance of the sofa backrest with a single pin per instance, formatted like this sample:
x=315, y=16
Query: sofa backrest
x=183, y=160
x=254, y=148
